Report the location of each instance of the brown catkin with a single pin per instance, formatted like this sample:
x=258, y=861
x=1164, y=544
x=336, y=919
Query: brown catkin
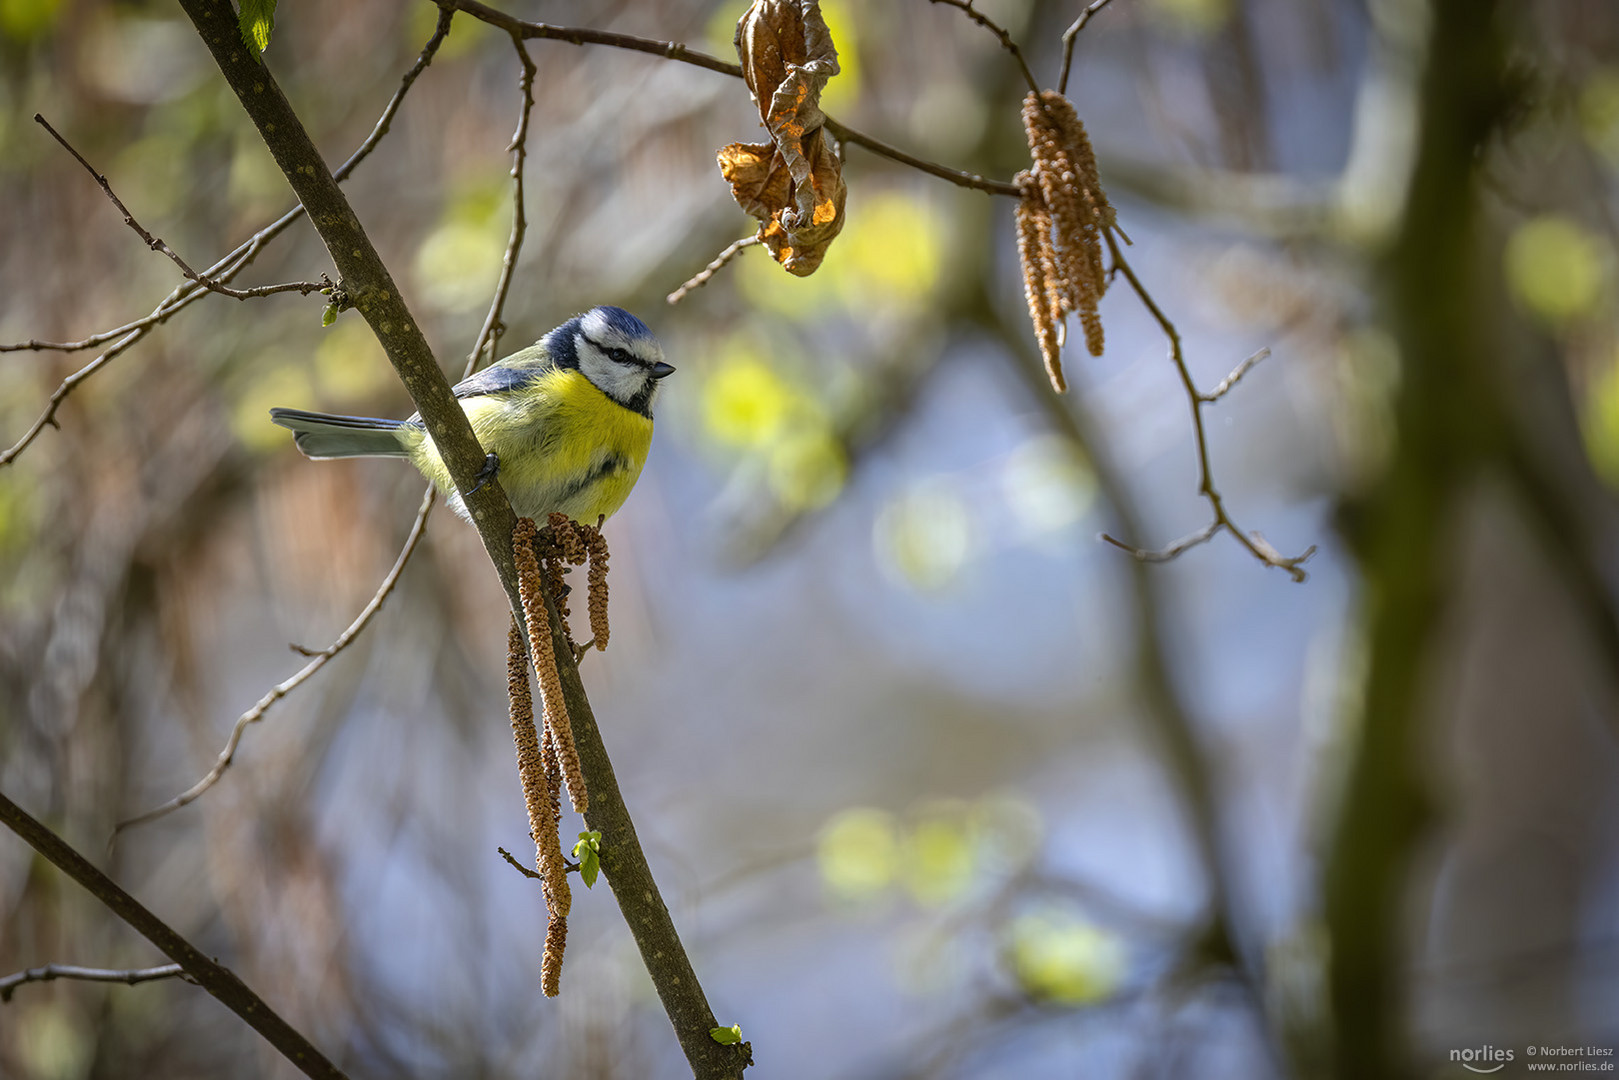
x=1091, y=322
x=566, y=533
x=1056, y=302
x=554, y=572
x=597, y=543
x=542, y=819
x=1078, y=142
x=1060, y=190
x=556, y=940
x=529, y=585
x=1078, y=210
x=1037, y=280
x=540, y=781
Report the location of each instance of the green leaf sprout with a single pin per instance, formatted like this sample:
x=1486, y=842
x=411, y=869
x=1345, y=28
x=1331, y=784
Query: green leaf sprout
x=588, y=852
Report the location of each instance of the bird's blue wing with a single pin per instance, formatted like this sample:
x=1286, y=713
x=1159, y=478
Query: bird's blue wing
x=512, y=373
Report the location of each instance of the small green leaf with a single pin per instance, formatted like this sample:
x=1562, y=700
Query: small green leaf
x=590, y=865
x=588, y=852
x=257, y=20
x=329, y=316
x=726, y=1036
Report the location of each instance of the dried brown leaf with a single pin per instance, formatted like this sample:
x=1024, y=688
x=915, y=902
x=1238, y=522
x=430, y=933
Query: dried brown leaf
x=794, y=184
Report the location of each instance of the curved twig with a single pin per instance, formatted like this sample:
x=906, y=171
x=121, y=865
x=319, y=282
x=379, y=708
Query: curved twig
x=1256, y=544
x=999, y=31
x=318, y=660
x=706, y=274
x=488, y=340
x=1068, y=37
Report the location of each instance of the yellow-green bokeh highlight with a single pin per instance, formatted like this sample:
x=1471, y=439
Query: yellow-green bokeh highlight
x=1555, y=268
x=808, y=468
x=280, y=377
x=1599, y=113
x=843, y=89
x=890, y=257
x=941, y=853
x=1048, y=486
x=55, y=1043
x=458, y=263
x=941, y=859
x=744, y=402
x=1059, y=957
x=925, y=537
x=748, y=407
x=466, y=34
x=858, y=853
x=25, y=20
x=1599, y=422
x=349, y=364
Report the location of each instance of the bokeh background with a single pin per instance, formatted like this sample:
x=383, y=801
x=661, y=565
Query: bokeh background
x=875, y=693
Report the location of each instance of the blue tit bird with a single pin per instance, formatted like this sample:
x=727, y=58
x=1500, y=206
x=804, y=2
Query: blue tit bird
x=567, y=422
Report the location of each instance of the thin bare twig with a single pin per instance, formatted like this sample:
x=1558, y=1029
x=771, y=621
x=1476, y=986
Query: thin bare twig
x=1225, y=384
x=961, y=179
x=281, y=689
x=533, y=875
x=578, y=35
x=1068, y=37
x=1256, y=544
x=1164, y=554
x=226, y=268
x=9, y=984
x=303, y=288
x=36, y=345
x=706, y=274
x=488, y=340
x=999, y=31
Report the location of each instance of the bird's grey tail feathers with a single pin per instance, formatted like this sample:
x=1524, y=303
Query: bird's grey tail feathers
x=323, y=435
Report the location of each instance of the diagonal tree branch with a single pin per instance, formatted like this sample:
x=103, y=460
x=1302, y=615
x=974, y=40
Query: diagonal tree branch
x=215, y=978
x=379, y=302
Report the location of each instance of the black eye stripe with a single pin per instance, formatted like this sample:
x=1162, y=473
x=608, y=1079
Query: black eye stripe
x=618, y=355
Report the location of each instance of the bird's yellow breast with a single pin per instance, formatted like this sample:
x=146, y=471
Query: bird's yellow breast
x=564, y=446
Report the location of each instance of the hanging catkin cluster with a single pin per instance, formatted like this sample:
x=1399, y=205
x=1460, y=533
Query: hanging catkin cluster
x=558, y=725
x=541, y=780
x=546, y=754
x=1062, y=220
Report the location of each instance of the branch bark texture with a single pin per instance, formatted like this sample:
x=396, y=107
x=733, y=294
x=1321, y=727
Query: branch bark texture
x=215, y=978
x=1447, y=417
x=379, y=301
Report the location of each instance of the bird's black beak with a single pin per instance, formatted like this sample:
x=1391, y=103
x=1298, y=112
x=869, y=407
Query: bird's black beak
x=660, y=369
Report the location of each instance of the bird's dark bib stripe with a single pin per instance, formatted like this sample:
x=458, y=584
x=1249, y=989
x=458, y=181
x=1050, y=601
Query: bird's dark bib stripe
x=613, y=463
